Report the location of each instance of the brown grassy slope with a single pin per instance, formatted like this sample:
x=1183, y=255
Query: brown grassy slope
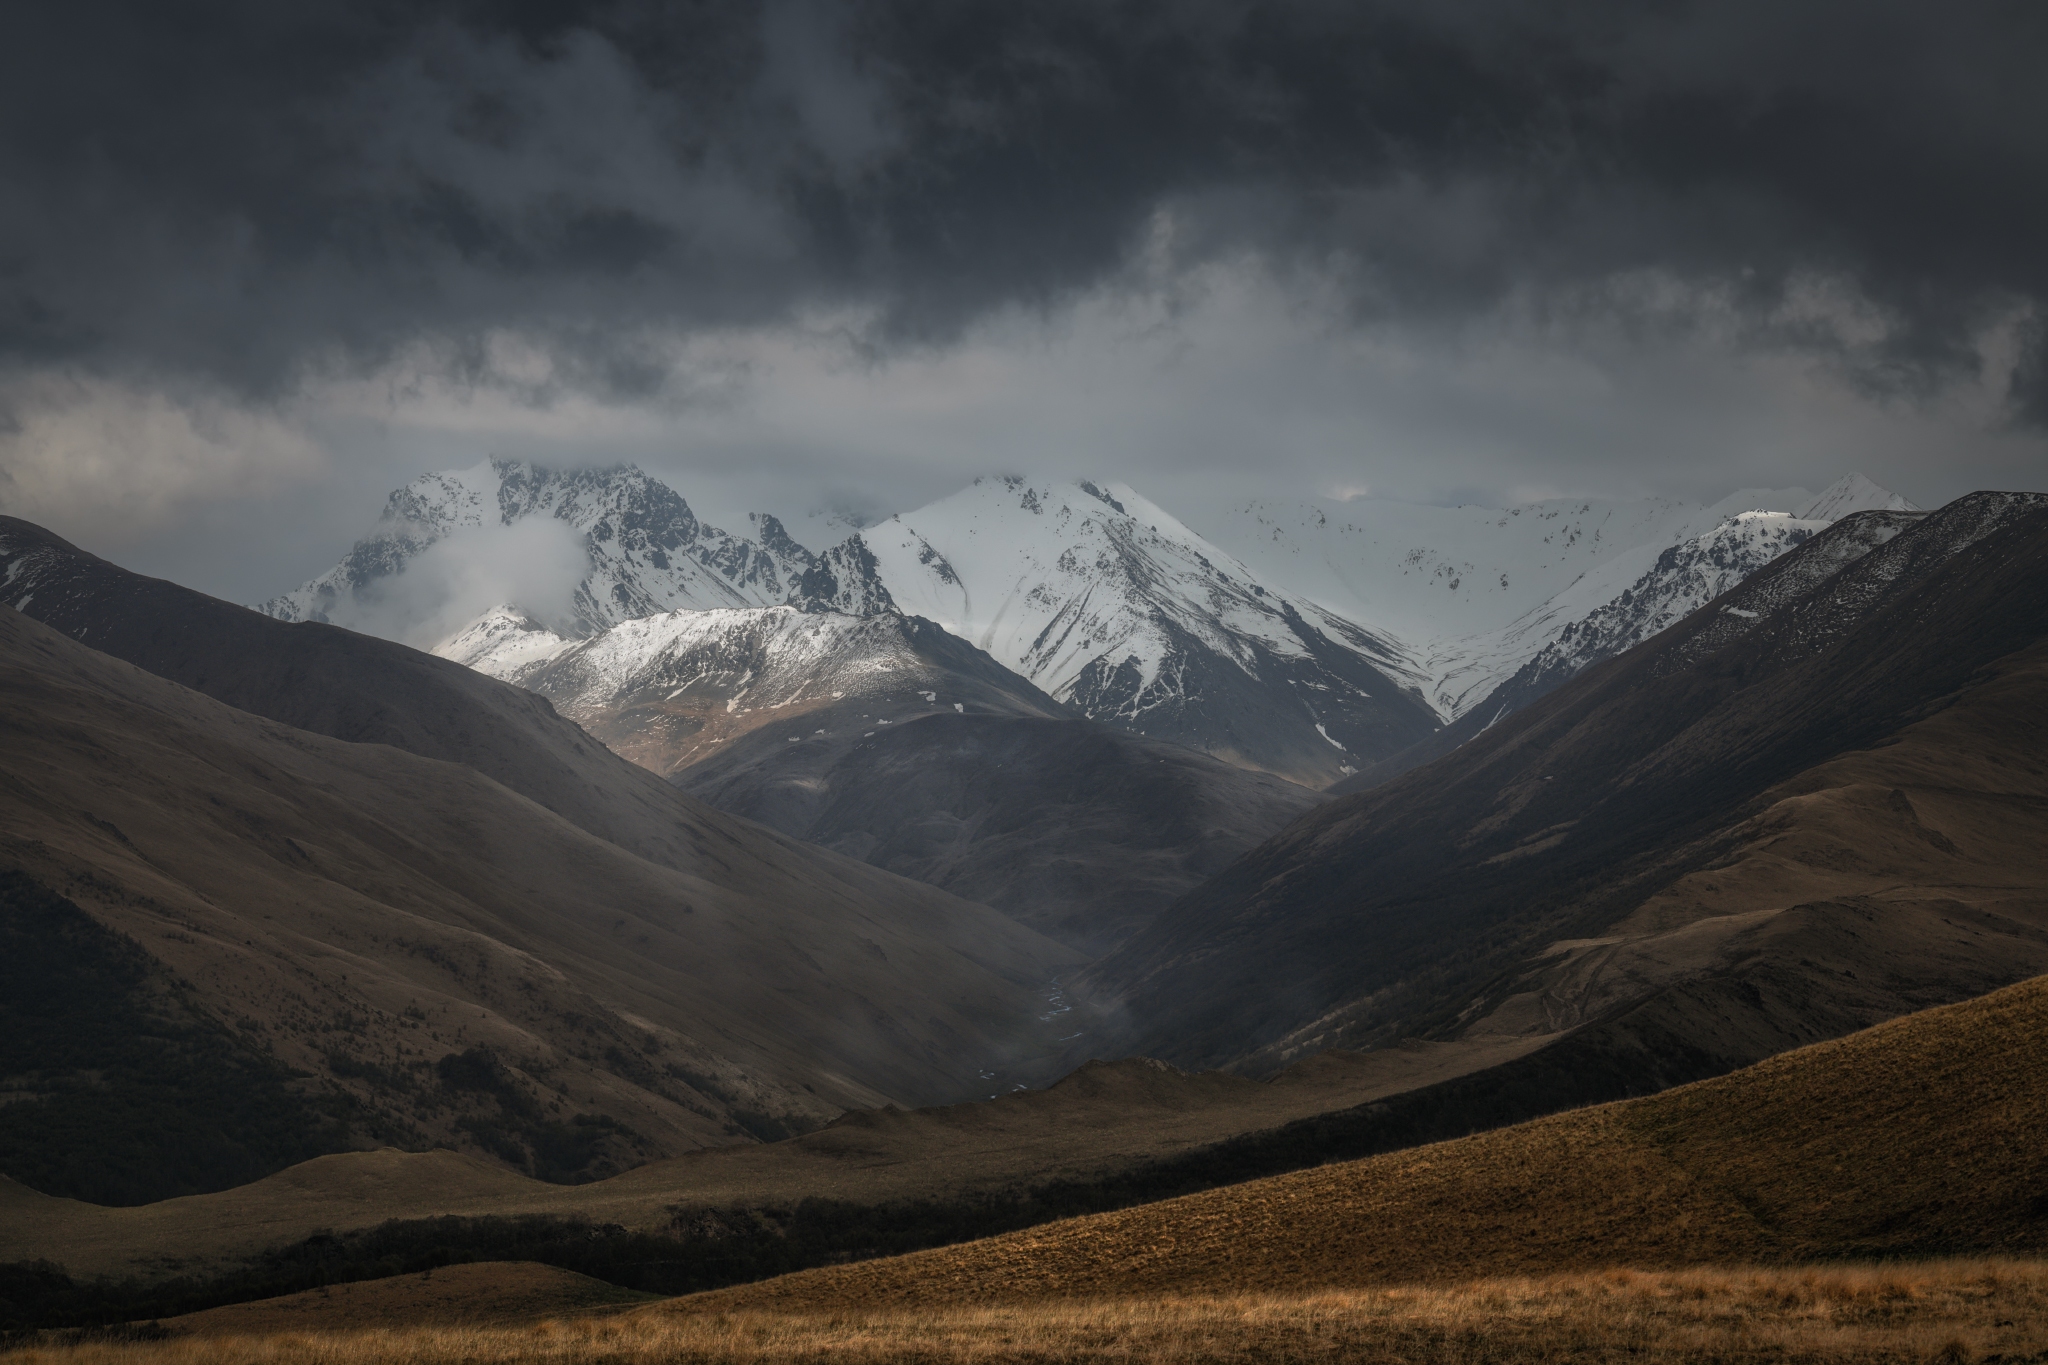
x=1918, y=1136
x=1886, y=879
x=1102, y=1117
x=365, y=690
x=1913, y=916
x=490, y=1291
x=353, y=900
x=358, y=688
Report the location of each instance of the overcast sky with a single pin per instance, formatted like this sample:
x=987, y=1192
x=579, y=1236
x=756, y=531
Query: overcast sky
x=260, y=263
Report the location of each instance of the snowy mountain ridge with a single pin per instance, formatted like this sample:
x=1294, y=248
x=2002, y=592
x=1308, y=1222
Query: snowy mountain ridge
x=1098, y=596
x=1854, y=494
x=1111, y=604
x=1092, y=594
x=747, y=657
x=1477, y=592
x=667, y=690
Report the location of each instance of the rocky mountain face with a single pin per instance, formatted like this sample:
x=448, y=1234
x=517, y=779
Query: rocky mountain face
x=1685, y=578
x=459, y=918
x=1811, y=804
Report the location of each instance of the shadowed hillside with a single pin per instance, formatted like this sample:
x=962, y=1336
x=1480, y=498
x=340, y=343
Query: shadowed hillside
x=1750, y=832
x=428, y=958
x=1079, y=830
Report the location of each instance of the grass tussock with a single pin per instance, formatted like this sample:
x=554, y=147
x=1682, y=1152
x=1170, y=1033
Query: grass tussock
x=1948, y=1311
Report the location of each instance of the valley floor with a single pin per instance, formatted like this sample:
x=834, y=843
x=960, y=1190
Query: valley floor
x=1945, y=1311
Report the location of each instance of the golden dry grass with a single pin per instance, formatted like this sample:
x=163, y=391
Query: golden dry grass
x=1945, y=1311
x=1918, y=1137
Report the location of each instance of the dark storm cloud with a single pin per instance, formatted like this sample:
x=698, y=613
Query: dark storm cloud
x=243, y=191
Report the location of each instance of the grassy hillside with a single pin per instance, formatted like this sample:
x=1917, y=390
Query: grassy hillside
x=1917, y=1137
x=1103, y=1137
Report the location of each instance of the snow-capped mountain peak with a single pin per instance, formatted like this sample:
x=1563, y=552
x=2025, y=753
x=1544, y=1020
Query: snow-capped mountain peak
x=643, y=551
x=502, y=642
x=1479, y=591
x=1113, y=605
x=1685, y=577
x=1854, y=493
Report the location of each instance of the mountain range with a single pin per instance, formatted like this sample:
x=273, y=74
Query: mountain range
x=1473, y=592
x=789, y=713
x=1097, y=597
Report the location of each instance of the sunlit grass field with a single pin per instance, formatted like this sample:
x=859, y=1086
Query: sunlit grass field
x=1946, y=1311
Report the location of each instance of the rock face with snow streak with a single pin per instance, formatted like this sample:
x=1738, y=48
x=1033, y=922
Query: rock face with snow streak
x=646, y=552
x=1477, y=592
x=1117, y=609
x=1685, y=578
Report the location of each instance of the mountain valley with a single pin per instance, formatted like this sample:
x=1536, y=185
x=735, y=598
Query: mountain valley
x=1081, y=831
x=1781, y=786
x=857, y=682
